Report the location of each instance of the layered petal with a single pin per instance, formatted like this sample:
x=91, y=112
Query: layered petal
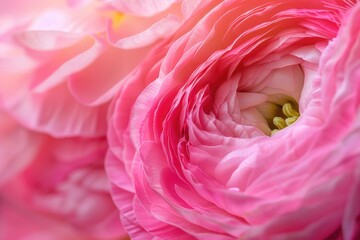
x=139, y=24
x=66, y=182
x=191, y=136
x=18, y=147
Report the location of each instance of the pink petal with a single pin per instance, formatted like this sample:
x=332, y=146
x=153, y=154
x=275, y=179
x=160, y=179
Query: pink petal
x=18, y=147
x=142, y=8
x=103, y=76
x=148, y=31
x=23, y=224
x=57, y=113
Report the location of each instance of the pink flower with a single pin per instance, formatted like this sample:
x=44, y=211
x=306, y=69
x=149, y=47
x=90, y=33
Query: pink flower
x=66, y=184
x=54, y=188
x=244, y=125
x=63, y=61
x=58, y=72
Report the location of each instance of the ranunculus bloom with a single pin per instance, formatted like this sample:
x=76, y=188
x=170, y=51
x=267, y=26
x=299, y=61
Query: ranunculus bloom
x=244, y=125
x=54, y=188
x=65, y=185
x=58, y=72
x=62, y=61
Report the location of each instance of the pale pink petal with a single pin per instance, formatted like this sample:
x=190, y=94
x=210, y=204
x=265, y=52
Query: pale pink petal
x=57, y=113
x=78, y=3
x=18, y=147
x=142, y=8
x=102, y=77
x=148, y=31
x=137, y=30
x=25, y=10
x=50, y=107
x=60, y=73
x=85, y=20
x=48, y=40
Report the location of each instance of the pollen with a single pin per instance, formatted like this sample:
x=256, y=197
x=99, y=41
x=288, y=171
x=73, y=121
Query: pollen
x=290, y=115
x=117, y=18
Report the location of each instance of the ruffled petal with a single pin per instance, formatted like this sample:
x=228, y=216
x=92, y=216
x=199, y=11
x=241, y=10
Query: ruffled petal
x=142, y=8
x=18, y=147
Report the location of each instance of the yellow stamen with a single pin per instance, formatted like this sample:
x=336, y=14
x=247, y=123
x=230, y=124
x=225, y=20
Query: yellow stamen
x=290, y=120
x=279, y=122
x=274, y=131
x=289, y=111
x=289, y=116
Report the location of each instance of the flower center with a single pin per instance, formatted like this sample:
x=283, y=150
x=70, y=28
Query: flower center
x=288, y=116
